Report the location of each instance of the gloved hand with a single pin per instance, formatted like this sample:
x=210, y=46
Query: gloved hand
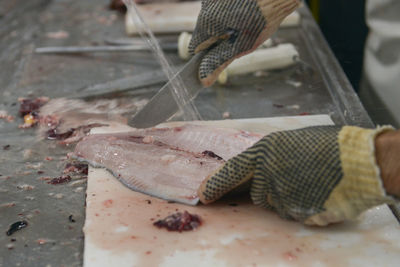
x=235, y=27
x=316, y=175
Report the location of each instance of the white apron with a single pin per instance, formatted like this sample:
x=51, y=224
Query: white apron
x=382, y=53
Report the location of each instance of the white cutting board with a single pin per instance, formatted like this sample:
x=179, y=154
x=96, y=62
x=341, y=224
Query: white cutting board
x=119, y=231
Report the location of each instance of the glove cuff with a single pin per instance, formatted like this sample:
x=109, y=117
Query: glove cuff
x=275, y=11
x=361, y=186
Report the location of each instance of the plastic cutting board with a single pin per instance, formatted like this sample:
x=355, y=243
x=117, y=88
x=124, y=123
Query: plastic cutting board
x=119, y=231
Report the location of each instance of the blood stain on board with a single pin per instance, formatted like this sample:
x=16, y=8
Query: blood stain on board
x=108, y=203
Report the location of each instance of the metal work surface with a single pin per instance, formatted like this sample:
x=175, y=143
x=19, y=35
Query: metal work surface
x=316, y=85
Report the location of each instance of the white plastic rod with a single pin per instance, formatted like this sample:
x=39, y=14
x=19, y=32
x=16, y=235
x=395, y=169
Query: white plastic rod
x=183, y=45
x=281, y=56
x=179, y=17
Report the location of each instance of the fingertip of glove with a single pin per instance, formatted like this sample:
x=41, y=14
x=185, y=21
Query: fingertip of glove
x=209, y=70
x=208, y=80
x=204, y=197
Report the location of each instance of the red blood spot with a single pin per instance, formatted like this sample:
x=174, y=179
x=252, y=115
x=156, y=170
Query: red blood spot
x=304, y=114
x=148, y=252
x=133, y=237
x=107, y=203
x=97, y=214
x=289, y=256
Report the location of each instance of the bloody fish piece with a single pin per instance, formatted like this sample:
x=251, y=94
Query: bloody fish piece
x=168, y=163
x=69, y=120
x=179, y=222
x=52, y=134
x=73, y=134
x=60, y=180
x=76, y=167
x=27, y=106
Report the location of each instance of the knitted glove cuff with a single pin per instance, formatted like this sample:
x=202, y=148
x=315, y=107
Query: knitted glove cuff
x=275, y=11
x=361, y=186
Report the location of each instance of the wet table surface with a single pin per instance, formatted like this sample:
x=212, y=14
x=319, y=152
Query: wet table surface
x=55, y=213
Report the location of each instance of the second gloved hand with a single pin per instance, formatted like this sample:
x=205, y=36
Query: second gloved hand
x=235, y=27
x=316, y=175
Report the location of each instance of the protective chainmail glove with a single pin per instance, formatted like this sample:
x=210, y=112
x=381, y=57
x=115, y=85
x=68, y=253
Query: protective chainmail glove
x=236, y=27
x=316, y=175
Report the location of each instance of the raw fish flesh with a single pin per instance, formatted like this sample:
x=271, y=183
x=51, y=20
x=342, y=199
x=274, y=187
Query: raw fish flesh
x=69, y=120
x=168, y=163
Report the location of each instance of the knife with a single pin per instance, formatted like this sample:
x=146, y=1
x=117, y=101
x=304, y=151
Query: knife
x=123, y=85
x=163, y=105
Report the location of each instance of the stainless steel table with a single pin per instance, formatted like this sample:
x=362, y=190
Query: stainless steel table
x=315, y=86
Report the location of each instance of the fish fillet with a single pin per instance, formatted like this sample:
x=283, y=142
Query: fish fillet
x=168, y=163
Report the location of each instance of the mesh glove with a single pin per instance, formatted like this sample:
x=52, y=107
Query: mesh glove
x=316, y=175
x=235, y=27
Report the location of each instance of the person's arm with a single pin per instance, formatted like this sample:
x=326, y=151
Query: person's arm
x=388, y=158
x=316, y=175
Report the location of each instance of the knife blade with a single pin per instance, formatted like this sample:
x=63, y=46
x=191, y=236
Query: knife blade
x=135, y=82
x=163, y=105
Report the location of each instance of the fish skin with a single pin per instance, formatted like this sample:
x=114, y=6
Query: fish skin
x=167, y=163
